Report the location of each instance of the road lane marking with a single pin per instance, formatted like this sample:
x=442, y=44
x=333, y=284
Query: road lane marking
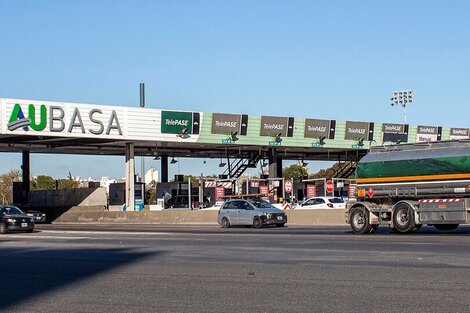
x=91, y=232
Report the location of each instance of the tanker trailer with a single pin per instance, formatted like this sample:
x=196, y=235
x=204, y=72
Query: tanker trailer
x=406, y=186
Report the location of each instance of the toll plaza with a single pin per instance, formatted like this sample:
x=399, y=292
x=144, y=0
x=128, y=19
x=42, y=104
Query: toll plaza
x=240, y=142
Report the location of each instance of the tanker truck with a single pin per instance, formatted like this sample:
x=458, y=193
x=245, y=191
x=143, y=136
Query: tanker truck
x=406, y=186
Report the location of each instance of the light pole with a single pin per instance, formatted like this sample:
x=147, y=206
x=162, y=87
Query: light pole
x=403, y=98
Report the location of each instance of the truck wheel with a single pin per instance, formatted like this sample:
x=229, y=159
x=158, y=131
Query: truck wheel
x=360, y=221
x=444, y=227
x=403, y=218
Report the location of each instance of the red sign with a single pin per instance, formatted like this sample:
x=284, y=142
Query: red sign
x=370, y=192
x=219, y=193
x=351, y=190
x=264, y=190
x=311, y=191
x=329, y=186
x=288, y=186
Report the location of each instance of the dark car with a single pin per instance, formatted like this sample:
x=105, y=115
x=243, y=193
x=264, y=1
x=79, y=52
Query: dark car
x=12, y=218
x=38, y=217
x=181, y=201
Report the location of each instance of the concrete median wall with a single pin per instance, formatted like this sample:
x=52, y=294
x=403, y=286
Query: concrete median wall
x=203, y=217
x=68, y=197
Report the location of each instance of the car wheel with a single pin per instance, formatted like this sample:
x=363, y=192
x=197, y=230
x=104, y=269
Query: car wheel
x=3, y=228
x=257, y=223
x=281, y=225
x=225, y=223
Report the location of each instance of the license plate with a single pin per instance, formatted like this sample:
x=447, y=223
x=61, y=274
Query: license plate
x=279, y=218
x=24, y=224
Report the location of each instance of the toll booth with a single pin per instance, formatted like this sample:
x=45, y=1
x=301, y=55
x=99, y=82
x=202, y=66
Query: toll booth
x=216, y=189
x=117, y=196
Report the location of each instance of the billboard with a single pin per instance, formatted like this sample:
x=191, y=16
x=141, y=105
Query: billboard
x=459, y=133
x=273, y=125
x=225, y=124
x=315, y=128
x=394, y=132
x=174, y=122
x=359, y=130
x=428, y=133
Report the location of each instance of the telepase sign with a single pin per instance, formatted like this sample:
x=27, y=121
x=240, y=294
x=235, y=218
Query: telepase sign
x=57, y=119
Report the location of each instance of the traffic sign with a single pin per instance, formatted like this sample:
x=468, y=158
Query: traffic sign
x=370, y=192
x=288, y=186
x=329, y=186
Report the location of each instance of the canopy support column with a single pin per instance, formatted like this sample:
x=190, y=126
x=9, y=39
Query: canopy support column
x=130, y=177
x=25, y=167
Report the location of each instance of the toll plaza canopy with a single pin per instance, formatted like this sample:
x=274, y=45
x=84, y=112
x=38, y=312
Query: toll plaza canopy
x=31, y=126
x=62, y=127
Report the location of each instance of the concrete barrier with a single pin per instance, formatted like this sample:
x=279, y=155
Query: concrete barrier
x=203, y=217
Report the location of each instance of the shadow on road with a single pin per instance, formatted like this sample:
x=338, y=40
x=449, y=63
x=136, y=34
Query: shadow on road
x=27, y=273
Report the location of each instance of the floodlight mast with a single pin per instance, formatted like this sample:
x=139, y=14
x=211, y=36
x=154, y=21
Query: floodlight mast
x=403, y=98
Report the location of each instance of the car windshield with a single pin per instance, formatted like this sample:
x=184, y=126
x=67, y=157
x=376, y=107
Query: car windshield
x=11, y=210
x=260, y=203
x=336, y=200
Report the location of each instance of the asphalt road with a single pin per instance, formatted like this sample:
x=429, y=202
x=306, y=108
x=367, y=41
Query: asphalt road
x=208, y=269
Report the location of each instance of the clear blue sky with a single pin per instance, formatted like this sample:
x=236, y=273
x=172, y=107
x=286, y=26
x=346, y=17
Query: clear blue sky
x=325, y=59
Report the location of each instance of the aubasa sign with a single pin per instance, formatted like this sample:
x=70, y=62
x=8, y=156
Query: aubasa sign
x=53, y=119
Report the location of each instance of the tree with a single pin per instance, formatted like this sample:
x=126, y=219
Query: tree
x=43, y=182
x=295, y=171
x=68, y=184
x=6, y=185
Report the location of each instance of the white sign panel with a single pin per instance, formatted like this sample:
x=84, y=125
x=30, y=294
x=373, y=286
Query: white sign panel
x=44, y=118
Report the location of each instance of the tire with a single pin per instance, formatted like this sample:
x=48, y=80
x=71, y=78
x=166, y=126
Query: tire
x=225, y=223
x=360, y=221
x=445, y=227
x=403, y=218
x=3, y=228
x=280, y=225
x=257, y=223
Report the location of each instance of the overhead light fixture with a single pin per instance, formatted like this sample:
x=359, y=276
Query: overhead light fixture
x=321, y=140
x=398, y=142
x=184, y=133
x=173, y=160
x=360, y=142
x=278, y=138
x=157, y=158
x=222, y=163
x=233, y=136
x=303, y=163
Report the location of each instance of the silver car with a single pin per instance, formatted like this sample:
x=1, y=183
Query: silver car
x=250, y=212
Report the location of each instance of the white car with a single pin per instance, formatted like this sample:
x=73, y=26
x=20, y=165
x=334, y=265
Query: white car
x=322, y=203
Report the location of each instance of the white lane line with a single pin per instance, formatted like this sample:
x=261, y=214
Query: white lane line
x=34, y=236
x=90, y=232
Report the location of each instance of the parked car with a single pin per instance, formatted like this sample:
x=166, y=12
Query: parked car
x=38, y=217
x=12, y=218
x=181, y=201
x=322, y=203
x=250, y=212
